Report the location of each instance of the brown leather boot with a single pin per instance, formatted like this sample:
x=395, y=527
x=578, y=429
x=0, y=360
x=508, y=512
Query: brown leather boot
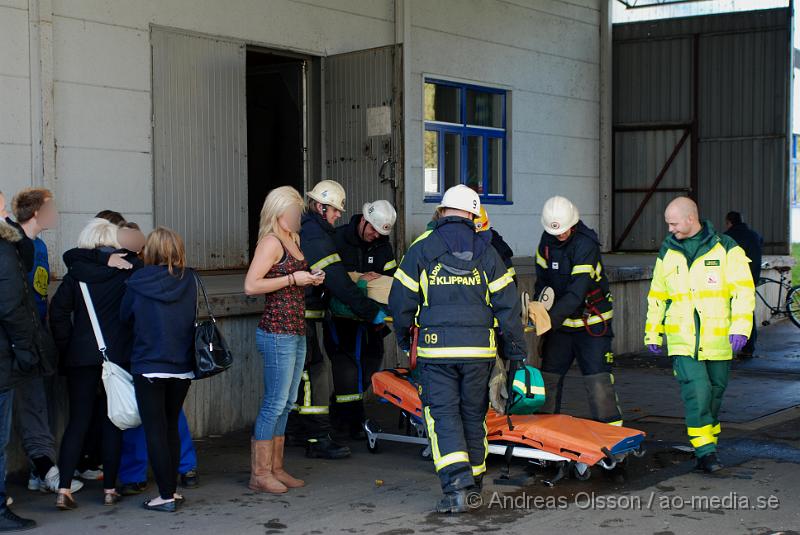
x=277, y=465
x=261, y=477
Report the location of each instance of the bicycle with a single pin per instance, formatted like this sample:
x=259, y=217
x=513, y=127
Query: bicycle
x=791, y=307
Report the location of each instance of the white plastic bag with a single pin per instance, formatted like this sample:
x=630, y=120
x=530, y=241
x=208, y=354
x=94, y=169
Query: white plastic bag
x=121, y=398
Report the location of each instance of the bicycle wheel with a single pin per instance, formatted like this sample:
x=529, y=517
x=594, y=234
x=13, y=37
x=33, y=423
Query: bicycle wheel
x=793, y=305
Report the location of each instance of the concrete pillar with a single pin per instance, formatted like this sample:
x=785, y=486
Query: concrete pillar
x=43, y=143
x=606, y=120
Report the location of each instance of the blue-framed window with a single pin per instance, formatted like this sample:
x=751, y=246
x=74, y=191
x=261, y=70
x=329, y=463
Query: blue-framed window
x=465, y=140
x=794, y=170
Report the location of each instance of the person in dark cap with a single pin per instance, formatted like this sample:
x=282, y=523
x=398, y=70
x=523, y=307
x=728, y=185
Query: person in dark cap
x=752, y=243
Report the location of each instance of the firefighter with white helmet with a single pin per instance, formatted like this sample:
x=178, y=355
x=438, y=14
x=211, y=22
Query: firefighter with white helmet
x=355, y=346
x=329, y=194
x=568, y=260
x=325, y=206
x=453, y=286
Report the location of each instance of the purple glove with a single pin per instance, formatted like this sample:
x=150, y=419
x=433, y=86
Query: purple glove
x=737, y=341
x=655, y=349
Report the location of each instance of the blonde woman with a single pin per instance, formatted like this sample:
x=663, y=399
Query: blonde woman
x=279, y=272
x=80, y=358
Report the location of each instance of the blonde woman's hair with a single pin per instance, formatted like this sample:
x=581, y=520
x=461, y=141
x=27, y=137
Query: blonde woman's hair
x=277, y=202
x=164, y=247
x=98, y=232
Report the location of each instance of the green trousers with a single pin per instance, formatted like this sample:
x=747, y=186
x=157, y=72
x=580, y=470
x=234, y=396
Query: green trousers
x=702, y=383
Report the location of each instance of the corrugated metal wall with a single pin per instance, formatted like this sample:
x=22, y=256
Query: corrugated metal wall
x=200, y=145
x=355, y=82
x=737, y=116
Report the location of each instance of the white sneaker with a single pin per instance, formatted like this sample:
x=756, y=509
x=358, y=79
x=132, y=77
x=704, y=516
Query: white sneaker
x=34, y=483
x=90, y=475
x=51, y=480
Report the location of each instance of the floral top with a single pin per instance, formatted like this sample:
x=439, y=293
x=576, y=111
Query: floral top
x=284, y=309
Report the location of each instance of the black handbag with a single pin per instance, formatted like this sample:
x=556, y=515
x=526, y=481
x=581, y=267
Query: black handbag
x=211, y=353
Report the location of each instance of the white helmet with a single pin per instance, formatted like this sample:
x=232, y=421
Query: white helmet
x=461, y=197
x=559, y=215
x=381, y=215
x=328, y=192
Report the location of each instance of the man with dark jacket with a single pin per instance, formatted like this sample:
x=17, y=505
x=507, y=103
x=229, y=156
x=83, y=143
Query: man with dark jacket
x=752, y=243
x=454, y=287
x=35, y=212
x=325, y=207
x=24, y=346
x=355, y=346
x=568, y=261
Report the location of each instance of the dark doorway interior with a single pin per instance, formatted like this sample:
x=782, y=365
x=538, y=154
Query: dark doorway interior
x=274, y=129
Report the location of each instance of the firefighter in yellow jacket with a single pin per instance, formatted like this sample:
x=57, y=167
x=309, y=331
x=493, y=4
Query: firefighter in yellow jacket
x=702, y=298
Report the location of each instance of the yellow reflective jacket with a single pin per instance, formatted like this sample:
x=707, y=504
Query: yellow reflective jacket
x=714, y=297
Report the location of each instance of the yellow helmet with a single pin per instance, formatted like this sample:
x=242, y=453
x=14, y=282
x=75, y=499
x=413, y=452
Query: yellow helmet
x=482, y=222
x=328, y=192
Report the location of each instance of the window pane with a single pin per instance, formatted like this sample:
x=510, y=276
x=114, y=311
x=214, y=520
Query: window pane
x=484, y=109
x=475, y=163
x=452, y=159
x=431, y=163
x=495, y=166
x=442, y=103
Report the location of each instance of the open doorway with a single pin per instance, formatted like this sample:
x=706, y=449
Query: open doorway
x=275, y=123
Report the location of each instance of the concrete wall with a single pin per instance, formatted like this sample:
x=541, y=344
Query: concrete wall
x=15, y=108
x=546, y=52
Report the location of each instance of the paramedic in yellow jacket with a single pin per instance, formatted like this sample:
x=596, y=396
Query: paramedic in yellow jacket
x=702, y=297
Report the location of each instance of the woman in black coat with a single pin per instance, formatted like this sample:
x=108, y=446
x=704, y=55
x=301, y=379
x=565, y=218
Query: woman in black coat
x=81, y=359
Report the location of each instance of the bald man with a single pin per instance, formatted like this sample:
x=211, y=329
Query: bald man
x=702, y=298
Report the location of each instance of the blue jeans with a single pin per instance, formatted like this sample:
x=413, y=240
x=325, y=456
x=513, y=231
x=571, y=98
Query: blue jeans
x=133, y=464
x=6, y=401
x=284, y=358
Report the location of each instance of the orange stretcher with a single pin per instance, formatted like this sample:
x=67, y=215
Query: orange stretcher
x=575, y=444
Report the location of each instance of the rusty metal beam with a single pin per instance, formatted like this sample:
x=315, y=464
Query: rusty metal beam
x=652, y=189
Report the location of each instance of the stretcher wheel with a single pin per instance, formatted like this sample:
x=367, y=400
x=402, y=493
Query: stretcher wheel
x=372, y=447
x=425, y=452
x=581, y=476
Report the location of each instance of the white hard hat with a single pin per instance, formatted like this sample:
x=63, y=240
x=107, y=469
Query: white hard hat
x=462, y=197
x=559, y=215
x=381, y=215
x=328, y=192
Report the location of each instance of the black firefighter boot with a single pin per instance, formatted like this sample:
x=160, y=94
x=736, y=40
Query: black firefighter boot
x=709, y=463
x=325, y=448
x=459, y=501
x=356, y=422
x=552, y=390
x=465, y=498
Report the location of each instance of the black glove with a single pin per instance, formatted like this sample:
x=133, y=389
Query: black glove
x=513, y=366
